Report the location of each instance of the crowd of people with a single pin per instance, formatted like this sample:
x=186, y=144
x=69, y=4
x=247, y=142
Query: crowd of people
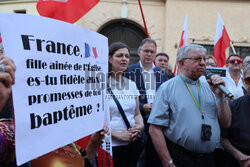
x=167, y=120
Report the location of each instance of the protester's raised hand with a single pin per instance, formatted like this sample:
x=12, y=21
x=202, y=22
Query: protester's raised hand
x=7, y=71
x=7, y=78
x=97, y=137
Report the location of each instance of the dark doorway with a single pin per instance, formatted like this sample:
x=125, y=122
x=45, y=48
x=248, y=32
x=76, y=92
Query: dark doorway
x=127, y=32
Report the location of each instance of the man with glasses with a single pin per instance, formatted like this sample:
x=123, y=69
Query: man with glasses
x=187, y=113
x=236, y=139
x=148, y=78
x=233, y=79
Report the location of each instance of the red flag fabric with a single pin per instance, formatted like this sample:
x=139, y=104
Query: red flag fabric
x=104, y=154
x=94, y=52
x=1, y=44
x=183, y=41
x=65, y=10
x=221, y=42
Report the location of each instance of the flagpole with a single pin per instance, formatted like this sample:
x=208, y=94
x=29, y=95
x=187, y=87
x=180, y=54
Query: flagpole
x=221, y=42
x=144, y=22
x=231, y=44
x=183, y=41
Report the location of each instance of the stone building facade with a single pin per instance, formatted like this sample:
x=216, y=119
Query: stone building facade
x=122, y=20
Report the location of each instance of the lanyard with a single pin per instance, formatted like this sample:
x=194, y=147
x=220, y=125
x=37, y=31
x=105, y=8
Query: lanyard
x=198, y=103
x=77, y=150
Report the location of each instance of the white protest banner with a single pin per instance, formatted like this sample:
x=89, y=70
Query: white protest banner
x=60, y=79
x=218, y=70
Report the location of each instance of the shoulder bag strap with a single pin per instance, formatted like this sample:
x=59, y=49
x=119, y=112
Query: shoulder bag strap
x=119, y=108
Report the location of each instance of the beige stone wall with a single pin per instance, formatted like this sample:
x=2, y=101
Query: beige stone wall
x=108, y=10
x=165, y=19
x=11, y=6
x=202, y=21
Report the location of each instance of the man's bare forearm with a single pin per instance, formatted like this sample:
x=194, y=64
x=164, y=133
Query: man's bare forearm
x=159, y=142
x=224, y=114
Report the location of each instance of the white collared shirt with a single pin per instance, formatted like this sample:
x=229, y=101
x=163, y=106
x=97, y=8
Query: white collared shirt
x=182, y=123
x=126, y=93
x=149, y=82
x=236, y=90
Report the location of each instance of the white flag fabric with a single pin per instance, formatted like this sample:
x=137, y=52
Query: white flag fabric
x=221, y=42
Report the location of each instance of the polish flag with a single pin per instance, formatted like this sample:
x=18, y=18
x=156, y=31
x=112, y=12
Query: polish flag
x=183, y=41
x=1, y=44
x=65, y=10
x=221, y=42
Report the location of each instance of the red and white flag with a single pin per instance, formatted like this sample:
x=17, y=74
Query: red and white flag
x=1, y=44
x=183, y=41
x=65, y=10
x=221, y=42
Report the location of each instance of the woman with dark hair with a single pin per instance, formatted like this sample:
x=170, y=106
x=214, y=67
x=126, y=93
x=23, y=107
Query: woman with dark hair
x=126, y=92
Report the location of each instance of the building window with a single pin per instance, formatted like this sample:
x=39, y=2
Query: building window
x=241, y=50
x=20, y=11
x=210, y=48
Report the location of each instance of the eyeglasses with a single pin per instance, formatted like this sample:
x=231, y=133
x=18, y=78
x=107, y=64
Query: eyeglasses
x=247, y=80
x=196, y=59
x=148, y=51
x=233, y=61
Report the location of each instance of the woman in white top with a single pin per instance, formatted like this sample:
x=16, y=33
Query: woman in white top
x=127, y=94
